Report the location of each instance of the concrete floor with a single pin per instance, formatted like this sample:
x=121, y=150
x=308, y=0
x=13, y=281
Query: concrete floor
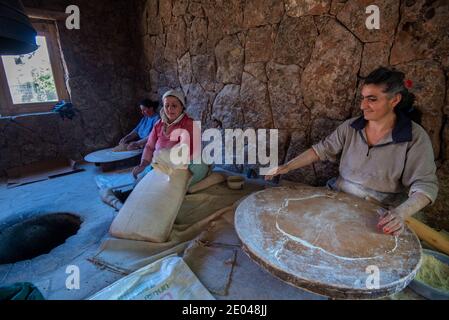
x=77, y=193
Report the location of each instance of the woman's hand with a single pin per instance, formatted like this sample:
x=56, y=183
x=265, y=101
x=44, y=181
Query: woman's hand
x=124, y=140
x=391, y=222
x=138, y=170
x=133, y=146
x=276, y=171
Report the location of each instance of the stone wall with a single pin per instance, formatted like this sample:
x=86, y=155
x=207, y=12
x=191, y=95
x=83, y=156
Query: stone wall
x=294, y=65
x=103, y=75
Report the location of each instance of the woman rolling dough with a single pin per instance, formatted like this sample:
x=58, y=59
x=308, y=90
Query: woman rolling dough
x=384, y=154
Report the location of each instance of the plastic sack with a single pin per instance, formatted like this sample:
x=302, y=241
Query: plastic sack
x=166, y=279
x=162, y=160
x=150, y=210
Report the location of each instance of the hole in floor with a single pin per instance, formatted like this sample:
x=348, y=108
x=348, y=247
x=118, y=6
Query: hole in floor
x=36, y=236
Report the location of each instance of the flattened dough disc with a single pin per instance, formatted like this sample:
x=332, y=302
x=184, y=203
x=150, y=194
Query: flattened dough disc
x=325, y=242
x=107, y=155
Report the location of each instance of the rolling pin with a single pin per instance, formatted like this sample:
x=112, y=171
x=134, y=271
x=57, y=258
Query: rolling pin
x=428, y=234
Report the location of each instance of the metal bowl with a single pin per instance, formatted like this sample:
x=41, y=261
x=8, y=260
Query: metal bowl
x=424, y=289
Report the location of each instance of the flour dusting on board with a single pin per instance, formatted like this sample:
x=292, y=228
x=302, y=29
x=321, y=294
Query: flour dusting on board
x=324, y=241
x=310, y=245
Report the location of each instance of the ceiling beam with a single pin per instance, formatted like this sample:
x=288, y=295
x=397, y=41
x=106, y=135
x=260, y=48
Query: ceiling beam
x=45, y=14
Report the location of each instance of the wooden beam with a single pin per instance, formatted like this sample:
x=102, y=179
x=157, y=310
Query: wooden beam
x=45, y=14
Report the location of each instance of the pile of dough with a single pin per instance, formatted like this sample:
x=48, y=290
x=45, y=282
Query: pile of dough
x=213, y=179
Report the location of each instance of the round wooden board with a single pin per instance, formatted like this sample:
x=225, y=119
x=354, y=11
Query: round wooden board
x=326, y=242
x=107, y=155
